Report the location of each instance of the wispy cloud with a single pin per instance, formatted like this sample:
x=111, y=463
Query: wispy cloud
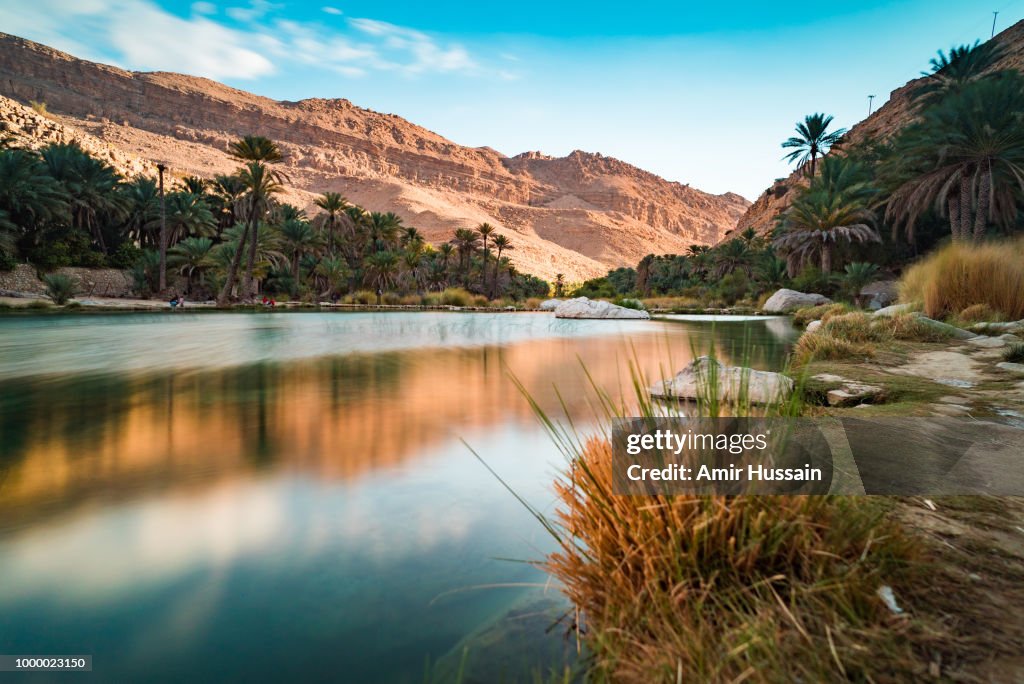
x=245, y=41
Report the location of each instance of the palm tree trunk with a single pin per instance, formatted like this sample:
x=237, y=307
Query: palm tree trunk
x=984, y=203
x=814, y=163
x=249, y=289
x=225, y=292
x=295, y=268
x=965, y=203
x=954, y=217
x=826, y=259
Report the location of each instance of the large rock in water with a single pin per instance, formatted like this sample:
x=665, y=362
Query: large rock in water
x=550, y=304
x=581, y=307
x=734, y=383
x=784, y=301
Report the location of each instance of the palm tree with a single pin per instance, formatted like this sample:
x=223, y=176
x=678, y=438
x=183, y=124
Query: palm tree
x=819, y=220
x=260, y=183
x=333, y=203
x=411, y=236
x=92, y=187
x=950, y=74
x=195, y=185
x=380, y=270
x=812, y=140
x=771, y=272
x=446, y=249
x=28, y=194
x=228, y=190
x=502, y=244
x=188, y=214
x=331, y=272
x=191, y=256
x=466, y=241
x=858, y=274
x=559, y=284
x=485, y=230
x=298, y=239
x=732, y=255
x=143, y=209
x=964, y=158
x=384, y=229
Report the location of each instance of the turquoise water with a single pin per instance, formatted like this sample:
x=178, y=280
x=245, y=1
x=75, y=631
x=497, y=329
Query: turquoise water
x=287, y=496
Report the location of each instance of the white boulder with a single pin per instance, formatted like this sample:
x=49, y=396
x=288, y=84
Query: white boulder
x=813, y=325
x=581, y=307
x=734, y=383
x=550, y=304
x=784, y=301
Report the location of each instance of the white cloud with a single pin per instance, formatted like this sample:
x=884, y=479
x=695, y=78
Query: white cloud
x=140, y=35
x=256, y=10
x=204, y=8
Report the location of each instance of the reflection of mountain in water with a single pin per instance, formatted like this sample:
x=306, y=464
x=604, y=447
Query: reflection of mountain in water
x=64, y=441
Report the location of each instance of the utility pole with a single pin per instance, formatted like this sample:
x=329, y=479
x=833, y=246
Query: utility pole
x=163, y=231
x=994, y=15
x=871, y=100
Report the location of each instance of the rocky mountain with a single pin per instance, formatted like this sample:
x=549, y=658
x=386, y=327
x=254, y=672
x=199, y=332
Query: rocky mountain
x=579, y=215
x=882, y=123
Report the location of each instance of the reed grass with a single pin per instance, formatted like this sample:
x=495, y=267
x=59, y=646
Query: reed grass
x=960, y=276
x=821, y=312
x=715, y=588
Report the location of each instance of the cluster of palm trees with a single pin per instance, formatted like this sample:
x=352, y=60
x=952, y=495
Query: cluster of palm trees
x=960, y=162
x=230, y=236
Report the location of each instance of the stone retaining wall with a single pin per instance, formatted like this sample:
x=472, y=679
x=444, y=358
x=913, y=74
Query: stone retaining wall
x=96, y=282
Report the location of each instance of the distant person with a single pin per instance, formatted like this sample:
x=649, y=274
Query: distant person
x=174, y=302
x=265, y=300
x=181, y=301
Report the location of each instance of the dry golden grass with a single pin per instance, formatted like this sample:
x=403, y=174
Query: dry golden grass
x=821, y=312
x=977, y=313
x=961, y=276
x=717, y=589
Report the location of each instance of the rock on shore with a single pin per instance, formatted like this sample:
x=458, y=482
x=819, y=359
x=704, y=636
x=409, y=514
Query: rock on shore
x=784, y=301
x=734, y=382
x=582, y=307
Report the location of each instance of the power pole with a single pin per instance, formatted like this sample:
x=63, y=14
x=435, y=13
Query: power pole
x=994, y=15
x=871, y=99
x=163, y=231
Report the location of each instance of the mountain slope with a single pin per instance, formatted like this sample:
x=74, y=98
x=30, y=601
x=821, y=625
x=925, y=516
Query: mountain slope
x=882, y=123
x=578, y=215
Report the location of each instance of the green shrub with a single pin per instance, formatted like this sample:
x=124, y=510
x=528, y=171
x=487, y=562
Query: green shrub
x=59, y=288
x=733, y=286
x=456, y=296
x=124, y=256
x=391, y=298
x=480, y=301
x=629, y=303
x=364, y=297
x=7, y=261
x=811, y=279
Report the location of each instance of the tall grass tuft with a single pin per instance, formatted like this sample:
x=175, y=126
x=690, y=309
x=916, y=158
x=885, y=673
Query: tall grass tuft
x=821, y=312
x=59, y=287
x=960, y=276
x=456, y=296
x=716, y=588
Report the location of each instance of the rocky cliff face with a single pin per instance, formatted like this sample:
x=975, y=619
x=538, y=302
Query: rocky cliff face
x=578, y=215
x=883, y=123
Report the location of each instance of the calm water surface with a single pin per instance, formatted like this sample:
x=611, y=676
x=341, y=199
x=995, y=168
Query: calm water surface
x=273, y=496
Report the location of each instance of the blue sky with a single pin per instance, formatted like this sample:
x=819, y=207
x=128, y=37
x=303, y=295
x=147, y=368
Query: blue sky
x=701, y=93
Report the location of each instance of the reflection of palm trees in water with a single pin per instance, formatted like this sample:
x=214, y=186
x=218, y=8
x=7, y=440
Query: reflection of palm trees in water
x=336, y=417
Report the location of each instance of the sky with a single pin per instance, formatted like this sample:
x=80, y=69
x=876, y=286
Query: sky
x=697, y=92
